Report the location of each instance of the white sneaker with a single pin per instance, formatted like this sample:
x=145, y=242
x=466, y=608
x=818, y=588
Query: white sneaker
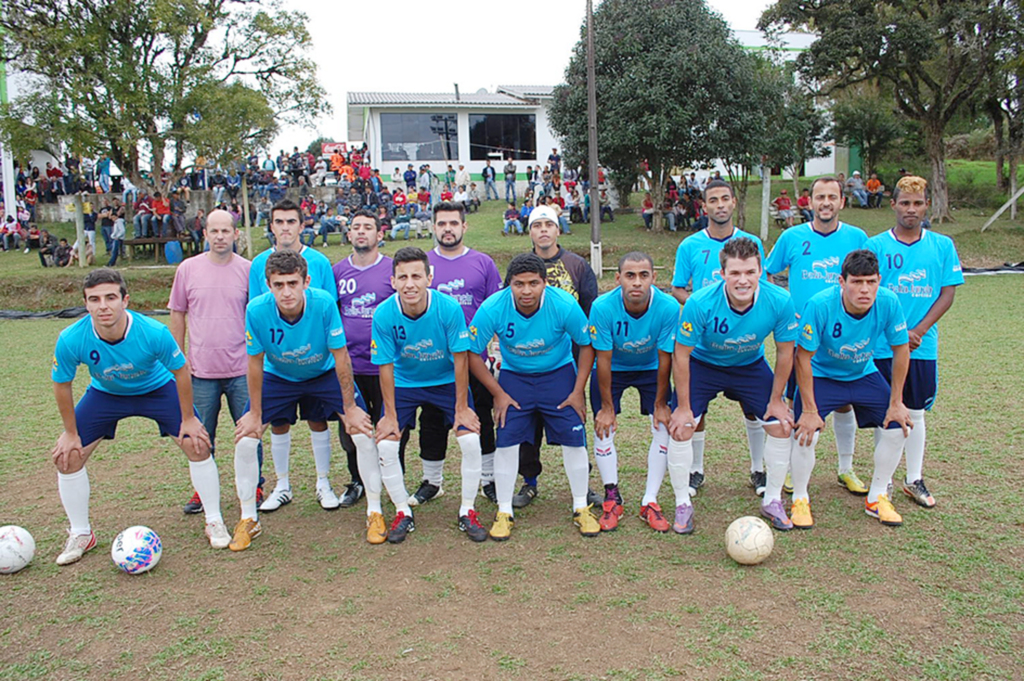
x=217, y=532
x=325, y=495
x=76, y=547
x=26, y=250
x=276, y=499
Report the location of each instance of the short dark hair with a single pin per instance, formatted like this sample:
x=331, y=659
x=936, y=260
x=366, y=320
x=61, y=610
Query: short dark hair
x=740, y=248
x=363, y=212
x=636, y=256
x=525, y=263
x=451, y=207
x=716, y=184
x=286, y=262
x=827, y=178
x=410, y=254
x=285, y=205
x=860, y=263
x=103, y=275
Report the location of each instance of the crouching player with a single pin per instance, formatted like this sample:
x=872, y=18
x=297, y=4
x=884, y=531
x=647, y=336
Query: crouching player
x=137, y=370
x=840, y=331
x=536, y=325
x=720, y=349
x=421, y=344
x=297, y=360
x=632, y=330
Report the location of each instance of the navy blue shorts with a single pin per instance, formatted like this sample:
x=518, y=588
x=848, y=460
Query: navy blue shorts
x=408, y=400
x=538, y=396
x=318, y=399
x=869, y=397
x=98, y=412
x=922, y=381
x=748, y=384
x=646, y=383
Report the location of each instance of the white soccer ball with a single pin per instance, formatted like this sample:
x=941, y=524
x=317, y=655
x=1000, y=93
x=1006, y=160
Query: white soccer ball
x=749, y=540
x=17, y=549
x=136, y=550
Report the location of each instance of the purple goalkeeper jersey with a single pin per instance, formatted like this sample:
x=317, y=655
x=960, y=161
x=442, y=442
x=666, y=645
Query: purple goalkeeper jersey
x=360, y=291
x=468, y=278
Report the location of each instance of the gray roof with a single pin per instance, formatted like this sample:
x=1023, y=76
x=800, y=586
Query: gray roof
x=472, y=99
x=528, y=91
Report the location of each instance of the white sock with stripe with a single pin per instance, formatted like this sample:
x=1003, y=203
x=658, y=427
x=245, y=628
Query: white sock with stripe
x=657, y=464
x=607, y=459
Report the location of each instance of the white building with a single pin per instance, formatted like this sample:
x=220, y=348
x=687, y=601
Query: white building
x=438, y=129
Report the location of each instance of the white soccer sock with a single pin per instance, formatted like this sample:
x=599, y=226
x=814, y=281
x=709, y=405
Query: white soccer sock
x=74, y=495
x=433, y=472
x=281, y=451
x=657, y=464
x=802, y=465
x=206, y=481
x=391, y=475
x=680, y=463
x=470, y=446
x=506, y=469
x=577, y=469
x=607, y=459
x=487, y=467
x=368, y=463
x=247, y=475
x=845, y=426
x=776, y=459
x=697, y=442
x=888, y=452
x=321, y=445
x=915, y=446
x=755, y=441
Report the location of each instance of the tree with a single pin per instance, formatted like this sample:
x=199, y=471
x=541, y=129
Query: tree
x=863, y=116
x=933, y=54
x=316, y=146
x=163, y=78
x=663, y=67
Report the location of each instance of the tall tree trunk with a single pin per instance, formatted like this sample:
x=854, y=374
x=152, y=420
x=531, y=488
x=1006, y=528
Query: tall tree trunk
x=996, y=113
x=936, y=148
x=656, y=182
x=1013, y=184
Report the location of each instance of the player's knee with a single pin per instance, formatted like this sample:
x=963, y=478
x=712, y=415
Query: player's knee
x=318, y=426
x=775, y=429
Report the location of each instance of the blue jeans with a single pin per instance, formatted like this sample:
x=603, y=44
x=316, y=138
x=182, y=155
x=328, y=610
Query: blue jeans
x=115, y=250
x=510, y=188
x=488, y=188
x=513, y=223
x=308, y=236
x=142, y=223
x=862, y=197
x=218, y=194
x=206, y=394
x=106, y=230
x=400, y=226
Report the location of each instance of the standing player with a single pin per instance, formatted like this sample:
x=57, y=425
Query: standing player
x=720, y=349
x=923, y=269
x=697, y=265
x=536, y=325
x=469, y=277
x=840, y=331
x=632, y=330
x=421, y=344
x=814, y=252
x=207, y=303
x=137, y=370
x=286, y=225
x=297, y=361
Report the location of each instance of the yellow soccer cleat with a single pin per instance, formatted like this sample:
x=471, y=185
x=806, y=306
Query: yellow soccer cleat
x=501, y=530
x=584, y=519
x=852, y=483
x=787, y=485
x=884, y=511
x=800, y=514
x=246, y=530
x=376, y=528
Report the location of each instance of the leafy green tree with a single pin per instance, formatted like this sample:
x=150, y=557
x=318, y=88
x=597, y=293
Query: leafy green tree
x=315, y=147
x=932, y=53
x=664, y=67
x=863, y=116
x=157, y=78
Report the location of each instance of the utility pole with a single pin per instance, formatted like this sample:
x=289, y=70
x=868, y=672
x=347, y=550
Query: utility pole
x=6, y=160
x=596, y=262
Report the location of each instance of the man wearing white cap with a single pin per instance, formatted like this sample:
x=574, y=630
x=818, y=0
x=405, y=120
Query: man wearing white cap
x=856, y=186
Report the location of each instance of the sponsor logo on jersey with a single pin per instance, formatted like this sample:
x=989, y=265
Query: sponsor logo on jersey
x=337, y=332
x=637, y=345
x=449, y=286
x=297, y=352
x=908, y=284
x=364, y=300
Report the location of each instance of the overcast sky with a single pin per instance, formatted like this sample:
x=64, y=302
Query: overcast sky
x=424, y=46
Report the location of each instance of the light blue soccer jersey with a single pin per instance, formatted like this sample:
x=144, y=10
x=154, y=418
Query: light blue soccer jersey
x=421, y=349
x=321, y=275
x=536, y=344
x=295, y=351
x=721, y=336
x=843, y=345
x=814, y=259
x=916, y=273
x=139, y=363
x=634, y=341
x=697, y=258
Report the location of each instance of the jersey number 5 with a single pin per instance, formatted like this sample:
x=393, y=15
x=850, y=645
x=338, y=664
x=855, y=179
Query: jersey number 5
x=510, y=330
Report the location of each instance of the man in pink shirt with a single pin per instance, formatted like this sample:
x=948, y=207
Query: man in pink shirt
x=207, y=304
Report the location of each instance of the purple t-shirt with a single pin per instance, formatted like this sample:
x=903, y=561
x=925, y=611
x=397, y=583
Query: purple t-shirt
x=360, y=291
x=469, y=278
x=214, y=298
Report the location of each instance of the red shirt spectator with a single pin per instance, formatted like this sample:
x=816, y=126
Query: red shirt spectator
x=398, y=198
x=783, y=202
x=162, y=206
x=144, y=206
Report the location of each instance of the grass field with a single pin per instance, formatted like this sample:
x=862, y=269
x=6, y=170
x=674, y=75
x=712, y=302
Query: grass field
x=939, y=598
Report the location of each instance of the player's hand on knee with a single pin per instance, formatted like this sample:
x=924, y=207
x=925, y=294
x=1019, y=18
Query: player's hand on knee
x=67, y=451
x=502, y=402
x=662, y=415
x=577, y=402
x=604, y=422
x=780, y=412
x=357, y=422
x=387, y=429
x=898, y=413
x=809, y=424
x=248, y=426
x=198, y=439
x=466, y=419
x=682, y=425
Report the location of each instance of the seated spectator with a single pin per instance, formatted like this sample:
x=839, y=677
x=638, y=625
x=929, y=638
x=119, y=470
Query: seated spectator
x=90, y=254
x=856, y=186
x=647, y=210
x=11, y=234
x=308, y=234
x=784, y=206
x=402, y=223
x=446, y=194
x=682, y=208
x=421, y=223
x=143, y=220
x=161, y=215
x=178, y=208
x=32, y=240
x=804, y=205
x=876, y=191
x=328, y=223
x=512, y=220
x=473, y=201
x=461, y=197
x=196, y=227
x=47, y=246
x=524, y=212
x=700, y=216
x=668, y=213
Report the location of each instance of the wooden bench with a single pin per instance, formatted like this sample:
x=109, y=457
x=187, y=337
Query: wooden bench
x=154, y=246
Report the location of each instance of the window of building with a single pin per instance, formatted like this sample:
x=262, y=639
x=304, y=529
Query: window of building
x=419, y=137
x=498, y=136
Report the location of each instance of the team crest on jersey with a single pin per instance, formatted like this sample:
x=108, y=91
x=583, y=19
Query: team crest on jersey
x=808, y=331
x=55, y=365
x=687, y=328
x=593, y=332
x=472, y=331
